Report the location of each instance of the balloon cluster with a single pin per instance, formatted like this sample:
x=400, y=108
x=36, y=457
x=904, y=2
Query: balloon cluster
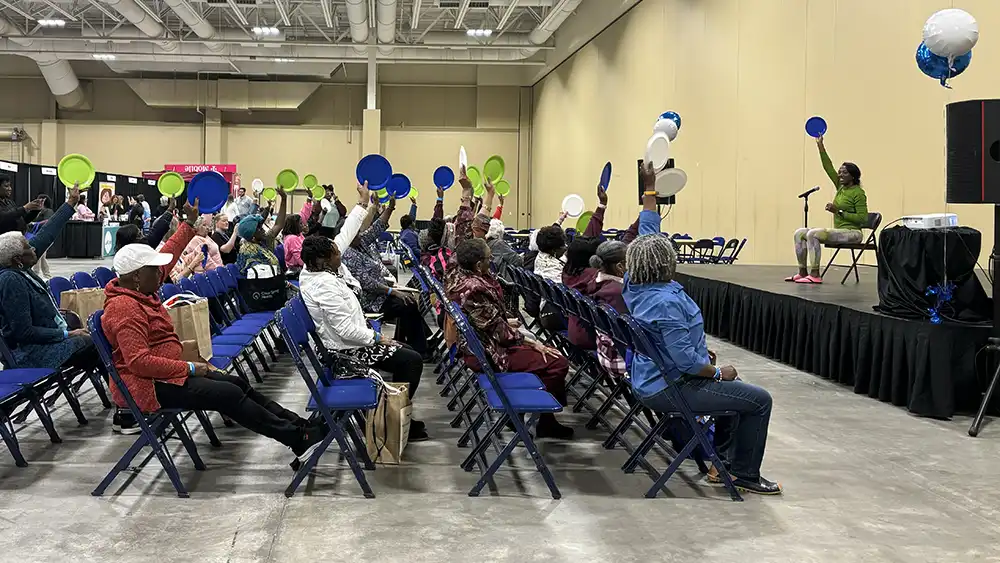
x=669, y=181
x=942, y=293
x=946, y=51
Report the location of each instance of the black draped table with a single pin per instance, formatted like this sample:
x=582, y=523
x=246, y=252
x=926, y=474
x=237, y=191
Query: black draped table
x=78, y=239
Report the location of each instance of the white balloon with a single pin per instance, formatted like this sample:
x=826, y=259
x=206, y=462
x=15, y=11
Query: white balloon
x=666, y=126
x=951, y=33
x=670, y=181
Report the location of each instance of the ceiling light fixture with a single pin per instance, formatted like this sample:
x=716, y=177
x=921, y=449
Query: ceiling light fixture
x=479, y=32
x=265, y=31
x=52, y=23
x=104, y=56
x=284, y=60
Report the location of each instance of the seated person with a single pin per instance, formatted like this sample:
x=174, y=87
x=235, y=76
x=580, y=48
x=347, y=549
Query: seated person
x=378, y=295
x=226, y=238
x=408, y=230
x=203, y=245
x=480, y=296
x=330, y=293
x=32, y=327
x=549, y=264
x=257, y=246
x=147, y=354
x=292, y=238
x=609, y=261
x=503, y=254
x=660, y=304
x=83, y=211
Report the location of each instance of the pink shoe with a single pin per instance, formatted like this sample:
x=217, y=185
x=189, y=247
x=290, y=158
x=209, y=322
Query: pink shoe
x=794, y=278
x=810, y=279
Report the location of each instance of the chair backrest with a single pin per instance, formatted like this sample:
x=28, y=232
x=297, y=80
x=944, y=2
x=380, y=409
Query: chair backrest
x=104, y=275
x=719, y=241
x=294, y=331
x=83, y=280
x=205, y=288
x=738, y=249
x=874, y=220
x=168, y=290
x=96, y=328
x=6, y=357
x=227, y=276
x=188, y=285
x=57, y=285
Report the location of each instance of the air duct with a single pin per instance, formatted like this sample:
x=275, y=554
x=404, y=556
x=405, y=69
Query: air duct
x=543, y=32
x=193, y=19
x=57, y=72
x=385, y=30
x=134, y=13
x=357, y=19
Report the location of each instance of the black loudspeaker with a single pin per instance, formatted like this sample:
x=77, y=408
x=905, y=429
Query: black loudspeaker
x=973, y=171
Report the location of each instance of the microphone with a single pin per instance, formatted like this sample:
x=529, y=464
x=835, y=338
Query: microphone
x=809, y=192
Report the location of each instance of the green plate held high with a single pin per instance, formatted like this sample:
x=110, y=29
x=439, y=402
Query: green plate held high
x=75, y=169
x=583, y=221
x=269, y=194
x=318, y=192
x=310, y=181
x=413, y=192
x=502, y=187
x=170, y=184
x=475, y=176
x=494, y=168
x=288, y=180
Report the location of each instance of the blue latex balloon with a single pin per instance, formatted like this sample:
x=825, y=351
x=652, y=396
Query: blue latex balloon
x=937, y=66
x=672, y=116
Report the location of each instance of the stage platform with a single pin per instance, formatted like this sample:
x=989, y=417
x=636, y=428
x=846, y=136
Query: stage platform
x=832, y=331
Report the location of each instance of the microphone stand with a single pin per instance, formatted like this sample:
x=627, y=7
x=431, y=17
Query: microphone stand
x=805, y=206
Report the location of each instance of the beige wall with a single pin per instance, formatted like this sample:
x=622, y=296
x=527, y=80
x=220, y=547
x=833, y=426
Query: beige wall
x=745, y=75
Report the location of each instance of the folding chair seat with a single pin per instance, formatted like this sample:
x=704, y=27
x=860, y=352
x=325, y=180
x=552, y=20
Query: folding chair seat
x=21, y=387
x=512, y=380
x=104, y=275
x=524, y=401
x=83, y=280
x=154, y=428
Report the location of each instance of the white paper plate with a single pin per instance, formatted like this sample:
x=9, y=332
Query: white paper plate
x=258, y=185
x=670, y=181
x=658, y=151
x=573, y=205
x=463, y=158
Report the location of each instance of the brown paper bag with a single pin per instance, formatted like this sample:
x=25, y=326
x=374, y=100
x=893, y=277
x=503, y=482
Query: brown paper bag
x=83, y=302
x=191, y=323
x=387, y=428
x=190, y=352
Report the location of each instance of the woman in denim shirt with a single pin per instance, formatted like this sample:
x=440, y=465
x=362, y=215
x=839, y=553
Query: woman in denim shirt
x=660, y=304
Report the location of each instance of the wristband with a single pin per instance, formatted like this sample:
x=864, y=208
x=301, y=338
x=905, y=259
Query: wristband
x=190, y=368
x=65, y=334
x=440, y=199
x=601, y=206
x=718, y=374
x=389, y=292
x=378, y=337
x=649, y=192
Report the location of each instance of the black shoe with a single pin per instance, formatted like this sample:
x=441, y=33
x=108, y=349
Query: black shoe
x=419, y=425
x=417, y=434
x=311, y=440
x=553, y=429
x=428, y=357
x=760, y=487
x=124, y=423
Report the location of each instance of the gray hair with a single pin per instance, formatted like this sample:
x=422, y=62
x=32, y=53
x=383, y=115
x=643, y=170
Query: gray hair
x=11, y=246
x=202, y=219
x=609, y=252
x=651, y=259
x=496, y=229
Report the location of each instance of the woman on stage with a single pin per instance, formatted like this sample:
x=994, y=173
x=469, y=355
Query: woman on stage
x=850, y=215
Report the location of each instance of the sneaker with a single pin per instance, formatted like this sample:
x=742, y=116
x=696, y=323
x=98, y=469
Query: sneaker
x=311, y=440
x=760, y=487
x=124, y=423
x=552, y=429
x=418, y=433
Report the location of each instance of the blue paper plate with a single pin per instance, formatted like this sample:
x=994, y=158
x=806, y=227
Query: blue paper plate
x=375, y=170
x=211, y=189
x=816, y=126
x=605, y=176
x=398, y=186
x=444, y=177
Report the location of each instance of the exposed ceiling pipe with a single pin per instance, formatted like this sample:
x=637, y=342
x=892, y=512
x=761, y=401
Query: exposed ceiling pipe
x=195, y=21
x=543, y=32
x=357, y=19
x=385, y=14
x=127, y=34
x=139, y=18
x=57, y=72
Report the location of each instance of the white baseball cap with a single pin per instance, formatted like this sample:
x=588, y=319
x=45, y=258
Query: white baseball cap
x=131, y=257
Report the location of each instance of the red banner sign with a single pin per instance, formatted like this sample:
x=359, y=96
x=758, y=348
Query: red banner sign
x=195, y=168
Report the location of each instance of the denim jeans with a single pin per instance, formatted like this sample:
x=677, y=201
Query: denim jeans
x=744, y=436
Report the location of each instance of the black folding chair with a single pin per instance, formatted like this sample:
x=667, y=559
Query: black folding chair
x=857, y=248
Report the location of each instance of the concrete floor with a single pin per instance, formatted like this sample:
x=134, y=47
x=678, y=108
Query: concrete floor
x=863, y=481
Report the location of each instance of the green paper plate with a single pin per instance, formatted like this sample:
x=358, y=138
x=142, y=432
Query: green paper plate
x=76, y=168
x=310, y=181
x=318, y=192
x=583, y=221
x=269, y=194
x=502, y=187
x=413, y=192
x=170, y=184
x=288, y=180
x=381, y=192
x=494, y=168
x=475, y=176
x=479, y=190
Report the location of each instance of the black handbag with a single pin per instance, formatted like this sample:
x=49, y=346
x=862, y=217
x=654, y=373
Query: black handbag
x=344, y=366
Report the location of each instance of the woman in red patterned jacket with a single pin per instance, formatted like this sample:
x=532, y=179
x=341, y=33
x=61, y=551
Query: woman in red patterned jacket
x=147, y=355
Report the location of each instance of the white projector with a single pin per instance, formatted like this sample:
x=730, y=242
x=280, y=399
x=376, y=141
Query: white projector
x=931, y=221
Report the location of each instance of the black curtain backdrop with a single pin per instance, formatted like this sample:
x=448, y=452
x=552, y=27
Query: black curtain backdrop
x=927, y=368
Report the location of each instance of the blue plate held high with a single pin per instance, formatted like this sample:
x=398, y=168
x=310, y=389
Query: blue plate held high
x=605, y=177
x=444, y=177
x=816, y=126
x=398, y=186
x=375, y=170
x=211, y=189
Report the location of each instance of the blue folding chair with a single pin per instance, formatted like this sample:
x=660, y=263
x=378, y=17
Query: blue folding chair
x=335, y=401
x=104, y=275
x=154, y=428
x=83, y=280
x=17, y=388
x=57, y=285
x=644, y=346
x=57, y=381
x=279, y=253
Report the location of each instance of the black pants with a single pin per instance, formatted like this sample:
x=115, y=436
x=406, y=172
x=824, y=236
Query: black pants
x=239, y=401
x=405, y=365
x=410, y=325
